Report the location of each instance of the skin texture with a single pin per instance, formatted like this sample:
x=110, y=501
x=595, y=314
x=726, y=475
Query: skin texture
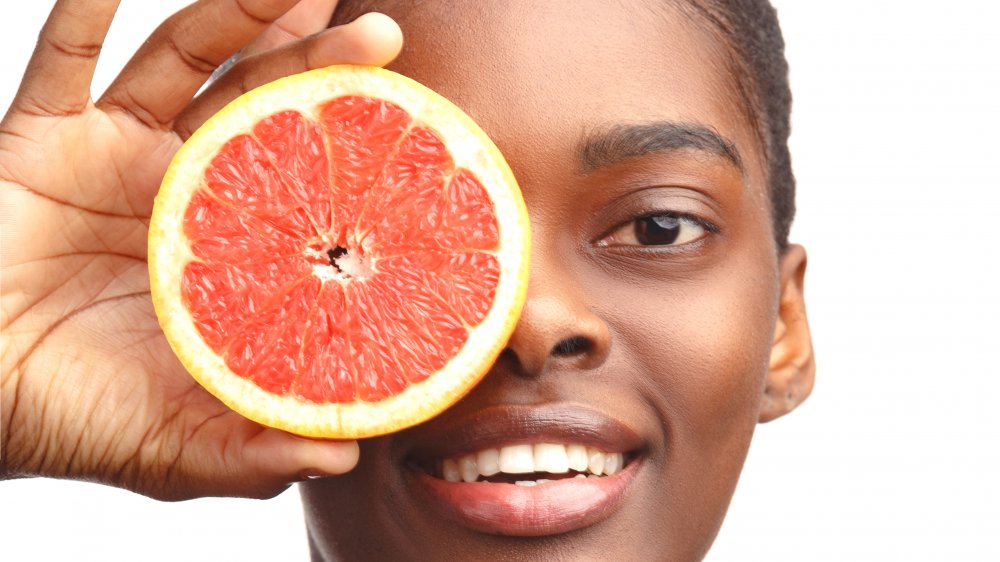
x=689, y=345
x=90, y=388
x=686, y=346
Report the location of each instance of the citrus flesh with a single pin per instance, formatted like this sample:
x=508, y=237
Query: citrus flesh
x=342, y=253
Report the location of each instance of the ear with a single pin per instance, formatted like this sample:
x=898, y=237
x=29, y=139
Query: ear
x=792, y=369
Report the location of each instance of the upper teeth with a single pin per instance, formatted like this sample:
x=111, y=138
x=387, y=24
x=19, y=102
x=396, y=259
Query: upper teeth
x=553, y=458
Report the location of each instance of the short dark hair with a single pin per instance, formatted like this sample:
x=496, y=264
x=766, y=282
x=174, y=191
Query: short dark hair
x=757, y=54
x=750, y=28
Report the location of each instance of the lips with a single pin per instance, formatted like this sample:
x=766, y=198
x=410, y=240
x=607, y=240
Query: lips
x=525, y=471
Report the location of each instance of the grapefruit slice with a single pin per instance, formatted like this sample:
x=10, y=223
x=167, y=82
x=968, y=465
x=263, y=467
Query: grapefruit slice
x=341, y=253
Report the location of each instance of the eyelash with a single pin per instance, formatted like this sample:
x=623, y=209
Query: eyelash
x=686, y=222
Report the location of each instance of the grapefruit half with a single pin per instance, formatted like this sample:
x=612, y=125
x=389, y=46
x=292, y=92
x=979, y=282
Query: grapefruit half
x=342, y=253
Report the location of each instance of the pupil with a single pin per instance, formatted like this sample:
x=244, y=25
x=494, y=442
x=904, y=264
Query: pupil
x=659, y=230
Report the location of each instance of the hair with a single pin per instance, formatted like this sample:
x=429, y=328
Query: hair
x=756, y=53
x=751, y=31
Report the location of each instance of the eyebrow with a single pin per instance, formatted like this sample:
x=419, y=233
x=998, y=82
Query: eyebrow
x=624, y=142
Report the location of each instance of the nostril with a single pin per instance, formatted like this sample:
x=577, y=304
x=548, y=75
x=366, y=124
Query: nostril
x=508, y=355
x=572, y=346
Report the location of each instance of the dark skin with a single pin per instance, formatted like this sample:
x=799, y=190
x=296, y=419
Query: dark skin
x=90, y=388
x=680, y=339
x=686, y=344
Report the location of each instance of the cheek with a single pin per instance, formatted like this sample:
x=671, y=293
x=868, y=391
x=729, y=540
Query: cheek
x=698, y=352
x=712, y=359
x=700, y=345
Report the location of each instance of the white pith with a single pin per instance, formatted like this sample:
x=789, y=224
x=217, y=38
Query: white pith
x=170, y=252
x=538, y=459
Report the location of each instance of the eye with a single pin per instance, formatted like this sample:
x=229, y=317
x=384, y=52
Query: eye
x=665, y=229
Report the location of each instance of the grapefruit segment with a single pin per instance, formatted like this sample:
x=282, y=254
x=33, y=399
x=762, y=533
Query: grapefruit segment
x=242, y=176
x=266, y=349
x=408, y=192
x=342, y=253
x=464, y=282
x=224, y=296
x=469, y=210
x=218, y=232
x=326, y=376
x=369, y=132
x=295, y=147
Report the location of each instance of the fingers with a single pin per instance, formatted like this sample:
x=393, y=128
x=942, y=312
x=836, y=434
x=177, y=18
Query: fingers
x=169, y=68
x=288, y=458
x=270, y=461
x=57, y=80
x=306, y=18
x=372, y=39
x=232, y=456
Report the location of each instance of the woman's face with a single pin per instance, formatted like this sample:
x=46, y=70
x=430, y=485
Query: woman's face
x=652, y=302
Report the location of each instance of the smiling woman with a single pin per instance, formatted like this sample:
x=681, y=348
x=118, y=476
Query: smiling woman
x=651, y=207
x=653, y=246
x=664, y=318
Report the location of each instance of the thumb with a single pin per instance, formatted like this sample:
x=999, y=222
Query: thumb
x=372, y=39
x=232, y=456
x=288, y=458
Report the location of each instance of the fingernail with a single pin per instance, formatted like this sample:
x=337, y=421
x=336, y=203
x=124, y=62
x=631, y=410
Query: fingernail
x=312, y=474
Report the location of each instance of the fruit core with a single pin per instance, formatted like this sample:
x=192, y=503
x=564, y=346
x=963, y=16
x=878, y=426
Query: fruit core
x=341, y=263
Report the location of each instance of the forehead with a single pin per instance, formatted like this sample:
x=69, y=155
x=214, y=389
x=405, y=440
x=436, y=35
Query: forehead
x=538, y=76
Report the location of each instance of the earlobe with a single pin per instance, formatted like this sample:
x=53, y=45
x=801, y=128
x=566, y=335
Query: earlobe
x=792, y=369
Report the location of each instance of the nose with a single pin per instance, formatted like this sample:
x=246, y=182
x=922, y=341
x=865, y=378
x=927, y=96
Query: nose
x=557, y=327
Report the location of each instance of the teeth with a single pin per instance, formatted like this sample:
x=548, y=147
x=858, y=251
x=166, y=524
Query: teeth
x=488, y=462
x=450, y=470
x=517, y=459
x=596, y=462
x=551, y=458
x=530, y=483
x=613, y=463
x=577, y=457
x=467, y=468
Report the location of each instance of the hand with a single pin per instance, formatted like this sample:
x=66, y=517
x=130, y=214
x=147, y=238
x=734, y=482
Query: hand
x=90, y=388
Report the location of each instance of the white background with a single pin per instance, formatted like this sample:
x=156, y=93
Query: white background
x=897, y=454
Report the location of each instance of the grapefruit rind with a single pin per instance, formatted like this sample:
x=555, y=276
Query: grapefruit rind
x=170, y=252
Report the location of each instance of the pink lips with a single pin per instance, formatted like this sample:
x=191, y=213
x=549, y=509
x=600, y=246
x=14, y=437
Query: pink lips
x=507, y=509
x=548, y=508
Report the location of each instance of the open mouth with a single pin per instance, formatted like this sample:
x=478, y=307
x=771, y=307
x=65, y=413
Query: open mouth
x=526, y=471
x=530, y=464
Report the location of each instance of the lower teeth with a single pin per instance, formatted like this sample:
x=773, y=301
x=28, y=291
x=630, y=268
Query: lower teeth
x=504, y=478
x=530, y=483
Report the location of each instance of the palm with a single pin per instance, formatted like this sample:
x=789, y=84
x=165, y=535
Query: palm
x=90, y=387
x=85, y=315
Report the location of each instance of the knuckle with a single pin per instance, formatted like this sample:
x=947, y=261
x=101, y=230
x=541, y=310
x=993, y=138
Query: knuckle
x=261, y=11
x=194, y=62
x=36, y=106
x=69, y=49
